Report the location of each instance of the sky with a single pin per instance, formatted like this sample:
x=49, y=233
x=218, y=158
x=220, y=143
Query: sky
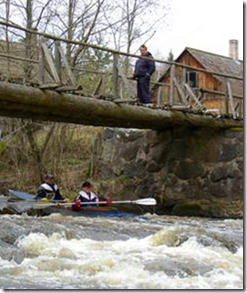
x=207, y=25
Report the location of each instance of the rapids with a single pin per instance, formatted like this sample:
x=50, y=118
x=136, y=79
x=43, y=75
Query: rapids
x=155, y=252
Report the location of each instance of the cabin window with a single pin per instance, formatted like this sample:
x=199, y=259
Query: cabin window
x=191, y=78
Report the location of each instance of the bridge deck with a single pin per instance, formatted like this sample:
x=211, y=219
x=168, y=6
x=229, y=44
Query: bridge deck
x=48, y=105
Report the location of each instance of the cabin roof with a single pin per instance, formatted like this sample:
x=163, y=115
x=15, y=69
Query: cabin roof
x=217, y=63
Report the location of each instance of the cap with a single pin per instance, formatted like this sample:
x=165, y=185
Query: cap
x=48, y=176
x=86, y=184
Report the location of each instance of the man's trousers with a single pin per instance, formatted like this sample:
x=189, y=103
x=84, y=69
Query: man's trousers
x=143, y=84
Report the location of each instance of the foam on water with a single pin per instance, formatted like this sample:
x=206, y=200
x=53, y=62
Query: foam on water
x=145, y=263
x=163, y=253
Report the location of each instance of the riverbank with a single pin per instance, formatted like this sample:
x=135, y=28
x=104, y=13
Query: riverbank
x=190, y=172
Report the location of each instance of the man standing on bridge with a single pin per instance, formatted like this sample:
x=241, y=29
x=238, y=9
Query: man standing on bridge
x=143, y=71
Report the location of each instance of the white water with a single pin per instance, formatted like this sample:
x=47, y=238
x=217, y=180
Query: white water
x=58, y=252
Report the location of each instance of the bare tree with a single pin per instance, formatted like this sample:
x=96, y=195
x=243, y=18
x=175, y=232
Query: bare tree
x=78, y=20
x=138, y=21
x=33, y=14
x=7, y=13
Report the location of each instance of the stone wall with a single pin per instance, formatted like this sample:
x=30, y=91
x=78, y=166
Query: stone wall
x=193, y=172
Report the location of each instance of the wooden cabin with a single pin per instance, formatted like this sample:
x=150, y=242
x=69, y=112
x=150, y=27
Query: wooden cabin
x=210, y=89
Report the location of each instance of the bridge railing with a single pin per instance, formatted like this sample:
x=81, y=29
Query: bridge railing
x=41, y=60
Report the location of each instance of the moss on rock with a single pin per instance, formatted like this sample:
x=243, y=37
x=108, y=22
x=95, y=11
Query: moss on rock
x=187, y=209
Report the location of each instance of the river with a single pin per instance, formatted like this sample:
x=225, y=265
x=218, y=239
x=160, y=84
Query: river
x=154, y=252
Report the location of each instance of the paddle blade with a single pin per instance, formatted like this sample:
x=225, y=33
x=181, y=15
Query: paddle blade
x=149, y=201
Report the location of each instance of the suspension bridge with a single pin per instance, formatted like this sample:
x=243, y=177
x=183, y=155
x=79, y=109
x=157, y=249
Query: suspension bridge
x=38, y=81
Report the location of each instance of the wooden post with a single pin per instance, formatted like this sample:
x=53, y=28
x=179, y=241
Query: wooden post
x=67, y=67
x=98, y=87
x=180, y=91
x=229, y=89
x=159, y=96
x=41, y=62
x=126, y=83
x=241, y=109
x=50, y=62
x=193, y=96
x=103, y=77
x=115, y=77
x=172, y=75
x=184, y=80
x=237, y=109
x=58, y=59
x=226, y=98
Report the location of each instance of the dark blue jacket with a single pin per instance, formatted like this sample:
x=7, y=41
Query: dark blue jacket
x=144, y=67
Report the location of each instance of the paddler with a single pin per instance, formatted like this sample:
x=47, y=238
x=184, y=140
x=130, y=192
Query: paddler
x=49, y=191
x=87, y=197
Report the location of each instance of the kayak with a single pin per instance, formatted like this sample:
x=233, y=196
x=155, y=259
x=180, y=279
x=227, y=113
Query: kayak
x=93, y=211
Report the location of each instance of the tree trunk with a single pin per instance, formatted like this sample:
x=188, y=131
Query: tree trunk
x=29, y=102
x=35, y=151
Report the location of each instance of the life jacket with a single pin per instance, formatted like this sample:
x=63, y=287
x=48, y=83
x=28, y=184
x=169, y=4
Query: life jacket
x=87, y=197
x=50, y=190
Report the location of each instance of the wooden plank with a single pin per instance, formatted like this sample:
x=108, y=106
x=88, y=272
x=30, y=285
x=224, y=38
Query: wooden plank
x=98, y=86
x=67, y=67
x=200, y=97
x=187, y=97
x=41, y=76
x=241, y=109
x=229, y=90
x=103, y=77
x=226, y=98
x=184, y=72
x=127, y=84
x=115, y=80
x=58, y=63
x=8, y=56
x=50, y=62
x=213, y=112
x=131, y=101
x=193, y=95
x=236, y=107
x=50, y=86
x=121, y=91
x=172, y=75
x=69, y=88
x=180, y=91
x=159, y=95
x=48, y=70
x=181, y=107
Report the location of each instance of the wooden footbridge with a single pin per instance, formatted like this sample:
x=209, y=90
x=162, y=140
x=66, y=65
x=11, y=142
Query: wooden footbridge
x=38, y=82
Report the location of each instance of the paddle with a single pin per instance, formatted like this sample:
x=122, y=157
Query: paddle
x=143, y=201
x=149, y=201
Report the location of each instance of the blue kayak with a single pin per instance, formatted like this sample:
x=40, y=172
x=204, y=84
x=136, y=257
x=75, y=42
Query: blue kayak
x=93, y=211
